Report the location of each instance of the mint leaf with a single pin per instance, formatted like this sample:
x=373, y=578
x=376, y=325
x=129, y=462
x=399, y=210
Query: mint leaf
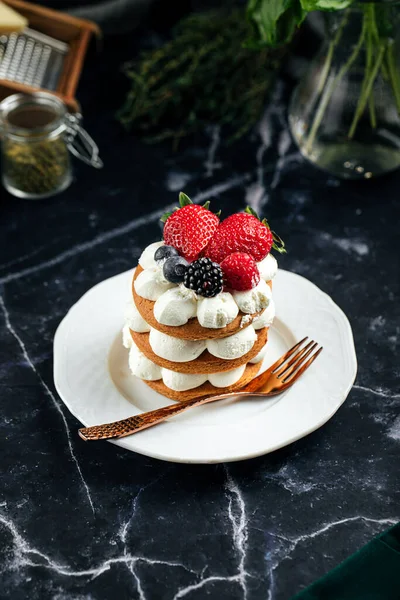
x=184, y=200
x=310, y=5
x=274, y=21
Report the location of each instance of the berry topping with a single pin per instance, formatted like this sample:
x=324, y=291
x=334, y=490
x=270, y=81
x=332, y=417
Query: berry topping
x=189, y=228
x=240, y=272
x=243, y=232
x=204, y=277
x=174, y=269
x=165, y=252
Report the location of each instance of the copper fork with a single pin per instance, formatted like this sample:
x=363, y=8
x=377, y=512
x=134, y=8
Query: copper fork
x=278, y=378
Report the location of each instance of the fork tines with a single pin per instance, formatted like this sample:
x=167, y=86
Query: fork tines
x=294, y=362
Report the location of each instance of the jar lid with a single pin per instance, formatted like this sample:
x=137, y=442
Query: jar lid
x=38, y=115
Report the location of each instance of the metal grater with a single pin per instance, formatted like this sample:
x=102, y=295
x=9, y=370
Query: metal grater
x=32, y=58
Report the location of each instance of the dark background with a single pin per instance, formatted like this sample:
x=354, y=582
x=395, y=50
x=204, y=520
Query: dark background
x=91, y=521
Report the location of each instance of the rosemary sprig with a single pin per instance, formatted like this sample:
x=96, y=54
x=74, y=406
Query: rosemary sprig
x=204, y=75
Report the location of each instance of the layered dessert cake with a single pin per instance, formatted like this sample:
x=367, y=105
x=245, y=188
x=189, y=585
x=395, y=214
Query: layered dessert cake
x=197, y=321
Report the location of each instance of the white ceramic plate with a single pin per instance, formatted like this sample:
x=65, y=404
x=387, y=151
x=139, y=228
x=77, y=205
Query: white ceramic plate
x=92, y=377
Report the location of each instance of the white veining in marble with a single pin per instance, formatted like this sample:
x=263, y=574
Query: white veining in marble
x=349, y=245
x=377, y=323
x=289, y=479
x=394, y=430
x=203, y=582
x=284, y=143
x=51, y=396
x=177, y=180
x=210, y=163
x=24, y=555
x=238, y=518
x=107, y=236
x=27, y=256
x=256, y=193
x=377, y=392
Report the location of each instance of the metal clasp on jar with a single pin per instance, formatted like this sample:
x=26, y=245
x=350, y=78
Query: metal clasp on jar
x=80, y=143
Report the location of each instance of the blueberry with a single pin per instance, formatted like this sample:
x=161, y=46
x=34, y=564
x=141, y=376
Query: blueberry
x=174, y=269
x=165, y=252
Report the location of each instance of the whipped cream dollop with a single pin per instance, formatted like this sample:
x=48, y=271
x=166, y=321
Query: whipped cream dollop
x=268, y=267
x=151, y=283
x=217, y=312
x=266, y=318
x=175, y=349
x=260, y=356
x=254, y=300
x=133, y=318
x=126, y=337
x=145, y=369
x=233, y=346
x=180, y=382
x=141, y=366
x=175, y=307
x=146, y=260
x=179, y=350
x=227, y=378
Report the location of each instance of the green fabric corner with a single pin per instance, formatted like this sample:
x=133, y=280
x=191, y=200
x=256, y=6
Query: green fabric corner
x=372, y=573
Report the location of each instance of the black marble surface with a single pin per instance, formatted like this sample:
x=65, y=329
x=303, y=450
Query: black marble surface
x=92, y=521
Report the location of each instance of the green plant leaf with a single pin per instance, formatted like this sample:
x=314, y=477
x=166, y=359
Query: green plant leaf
x=184, y=200
x=206, y=205
x=274, y=21
x=310, y=5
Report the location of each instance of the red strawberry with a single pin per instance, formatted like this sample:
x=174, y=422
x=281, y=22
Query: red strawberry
x=242, y=232
x=190, y=228
x=240, y=272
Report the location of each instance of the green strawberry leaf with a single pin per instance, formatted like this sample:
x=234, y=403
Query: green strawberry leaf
x=184, y=200
x=279, y=244
x=206, y=205
x=265, y=222
x=251, y=211
x=165, y=216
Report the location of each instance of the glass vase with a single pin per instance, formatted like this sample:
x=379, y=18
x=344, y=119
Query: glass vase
x=345, y=112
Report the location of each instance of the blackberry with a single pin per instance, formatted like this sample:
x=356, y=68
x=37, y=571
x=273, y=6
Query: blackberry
x=204, y=277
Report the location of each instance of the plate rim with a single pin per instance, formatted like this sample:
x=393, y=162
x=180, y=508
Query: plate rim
x=123, y=443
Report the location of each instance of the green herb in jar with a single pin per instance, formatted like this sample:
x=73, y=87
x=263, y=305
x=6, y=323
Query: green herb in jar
x=36, y=167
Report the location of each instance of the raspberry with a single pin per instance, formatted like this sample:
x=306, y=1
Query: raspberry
x=240, y=272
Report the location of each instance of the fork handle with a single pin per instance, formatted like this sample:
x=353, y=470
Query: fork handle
x=131, y=425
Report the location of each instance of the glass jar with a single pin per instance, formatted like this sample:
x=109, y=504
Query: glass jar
x=37, y=135
x=345, y=112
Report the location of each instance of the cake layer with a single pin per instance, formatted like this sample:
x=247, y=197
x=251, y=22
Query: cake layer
x=206, y=362
x=206, y=389
x=192, y=330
